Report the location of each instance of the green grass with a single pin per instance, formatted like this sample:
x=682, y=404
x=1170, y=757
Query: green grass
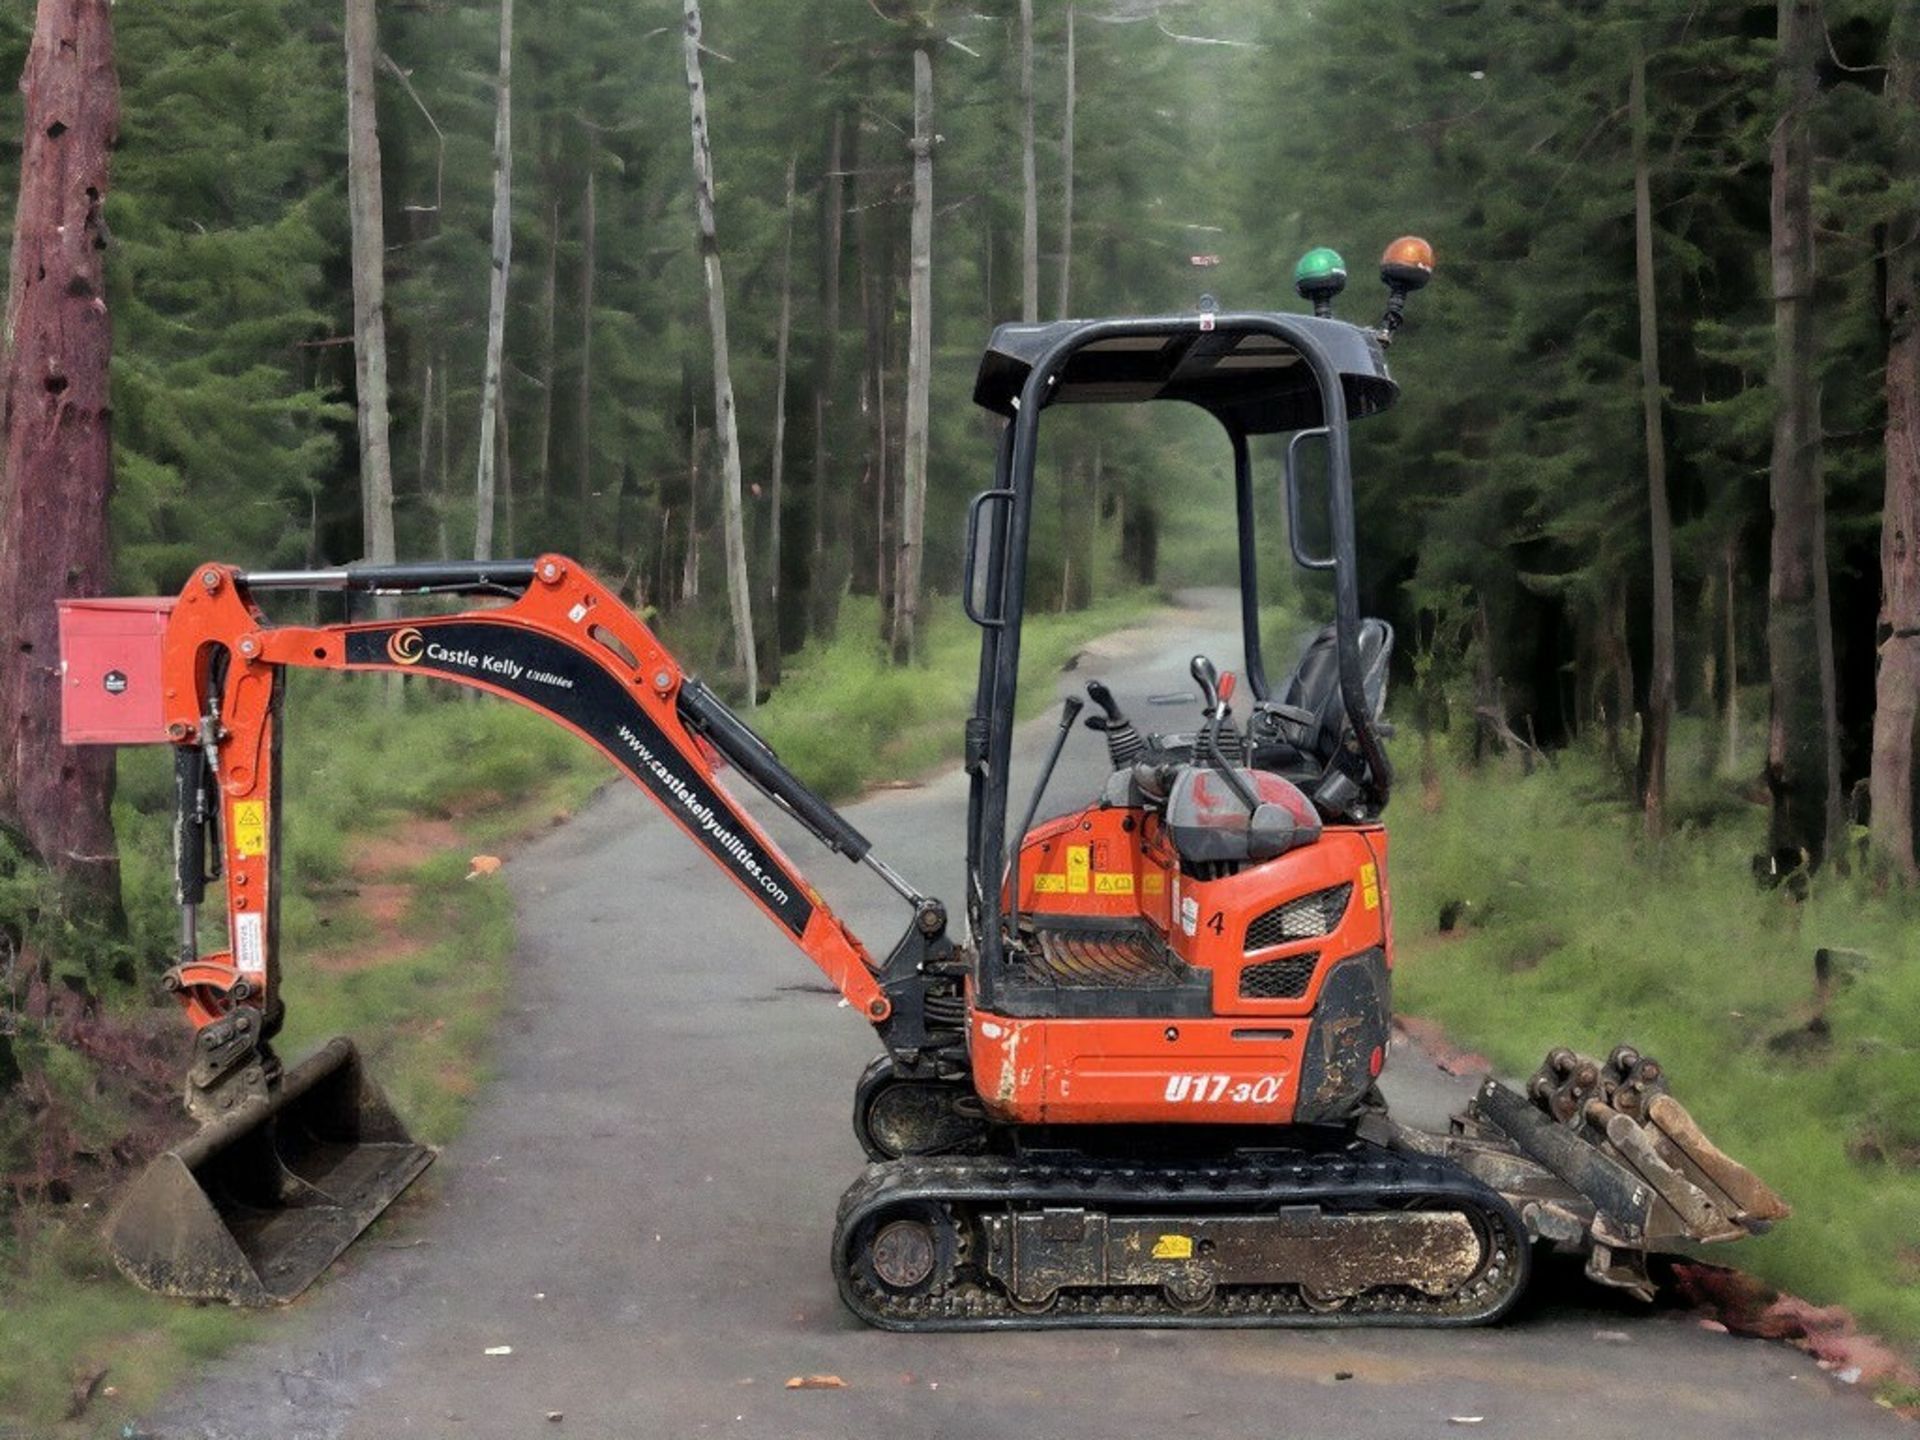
x=1580, y=932
x=843, y=718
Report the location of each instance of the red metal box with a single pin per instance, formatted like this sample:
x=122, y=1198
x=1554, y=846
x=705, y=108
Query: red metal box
x=110, y=670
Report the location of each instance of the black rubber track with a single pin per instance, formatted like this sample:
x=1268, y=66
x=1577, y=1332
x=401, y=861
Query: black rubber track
x=1359, y=1179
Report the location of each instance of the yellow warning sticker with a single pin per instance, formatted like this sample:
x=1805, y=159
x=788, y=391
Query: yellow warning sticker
x=1049, y=884
x=1079, y=869
x=1117, y=884
x=1173, y=1247
x=249, y=829
x=1153, y=883
x=1370, y=887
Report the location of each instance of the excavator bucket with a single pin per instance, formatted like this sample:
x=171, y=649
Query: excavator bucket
x=254, y=1205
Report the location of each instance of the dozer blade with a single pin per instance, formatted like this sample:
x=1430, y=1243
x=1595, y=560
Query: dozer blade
x=1597, y=1157
x=254, y=1205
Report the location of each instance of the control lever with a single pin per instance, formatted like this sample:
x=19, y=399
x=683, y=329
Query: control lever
x=1069, y=712
x=1208, y=679
x=1124, y=743
x=1211, y=687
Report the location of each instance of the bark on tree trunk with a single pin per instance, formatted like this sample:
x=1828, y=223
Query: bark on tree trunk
x=725, y=424
x=913, y=499
x=59, y=447
x=828, y=572
x=369, y=248
x=492, y=422
x=1653, y=734
x=1066, y=178
x=1802, y=748
x=583, y=497
x=1896, y=712
x=1029, y=183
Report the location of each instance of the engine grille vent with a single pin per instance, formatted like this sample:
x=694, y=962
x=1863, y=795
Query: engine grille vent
x=1284, y=979
x=1306, y=918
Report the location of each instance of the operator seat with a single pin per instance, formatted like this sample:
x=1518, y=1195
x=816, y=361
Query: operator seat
x=1299, y=734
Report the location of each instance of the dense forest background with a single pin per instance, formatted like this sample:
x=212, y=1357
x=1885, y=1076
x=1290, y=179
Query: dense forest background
x=1507, y=524
x=1656, y=465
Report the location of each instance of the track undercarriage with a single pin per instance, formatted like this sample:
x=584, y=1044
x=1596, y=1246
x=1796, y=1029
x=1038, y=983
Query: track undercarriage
x=959, y=1224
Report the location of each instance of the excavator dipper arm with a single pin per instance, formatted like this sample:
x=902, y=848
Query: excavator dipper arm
x=564, y=646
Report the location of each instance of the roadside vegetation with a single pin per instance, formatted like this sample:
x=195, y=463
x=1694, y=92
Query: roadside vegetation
x=1531, y=911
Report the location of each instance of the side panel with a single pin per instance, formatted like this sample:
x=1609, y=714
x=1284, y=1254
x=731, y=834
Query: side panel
x=1219, y=1071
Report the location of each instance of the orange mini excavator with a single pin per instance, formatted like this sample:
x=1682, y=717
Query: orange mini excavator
x=1138, y=1090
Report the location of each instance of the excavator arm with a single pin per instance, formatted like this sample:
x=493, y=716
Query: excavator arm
x=290, y=1164
x=562, y=645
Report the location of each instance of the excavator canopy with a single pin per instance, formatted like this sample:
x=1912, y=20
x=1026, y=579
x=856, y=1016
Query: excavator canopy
x=1248, y=377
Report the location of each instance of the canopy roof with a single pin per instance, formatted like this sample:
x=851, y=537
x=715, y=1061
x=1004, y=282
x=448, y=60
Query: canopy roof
x=1237, y=370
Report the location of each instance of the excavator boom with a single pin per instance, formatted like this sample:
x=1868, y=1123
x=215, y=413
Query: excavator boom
x=289, y=1166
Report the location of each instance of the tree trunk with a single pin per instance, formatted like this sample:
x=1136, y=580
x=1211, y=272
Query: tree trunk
x=1066, y=178
x=492, y=422
x=443, y=494
x=913, y=498
x=1896, y=711
x=1659, y=713
x=828, y=572
x=423, y=453
x=725, y=424
x=59, y=446
x=1029, y=185
x=690, y=555
x=369, y=290
x=1732, y=660
x=1801, y=748
x=583, y=497
x=549, y=364
x=869, y=566
x=776, y=496
x=503, y=467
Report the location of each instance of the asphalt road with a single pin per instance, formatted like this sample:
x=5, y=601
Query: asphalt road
x=640, y=1208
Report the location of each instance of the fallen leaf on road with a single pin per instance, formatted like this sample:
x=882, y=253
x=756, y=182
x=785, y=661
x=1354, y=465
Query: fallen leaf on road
x=816, y=1382
x=499, y=1349
x=483, y=865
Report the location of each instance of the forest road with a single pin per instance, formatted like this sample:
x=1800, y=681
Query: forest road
x=641, y=1203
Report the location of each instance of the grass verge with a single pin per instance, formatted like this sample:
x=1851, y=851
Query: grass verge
x=1579, y=931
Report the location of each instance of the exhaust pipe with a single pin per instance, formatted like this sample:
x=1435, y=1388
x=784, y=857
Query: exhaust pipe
x=254, y=1205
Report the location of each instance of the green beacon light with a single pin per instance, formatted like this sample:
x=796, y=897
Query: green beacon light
x=1320, y=275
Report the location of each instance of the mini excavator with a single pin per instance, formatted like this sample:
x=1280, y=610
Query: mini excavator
x=1139, y=1088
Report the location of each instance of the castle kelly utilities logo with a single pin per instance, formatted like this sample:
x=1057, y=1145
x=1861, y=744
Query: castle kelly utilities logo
x=405, y=647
